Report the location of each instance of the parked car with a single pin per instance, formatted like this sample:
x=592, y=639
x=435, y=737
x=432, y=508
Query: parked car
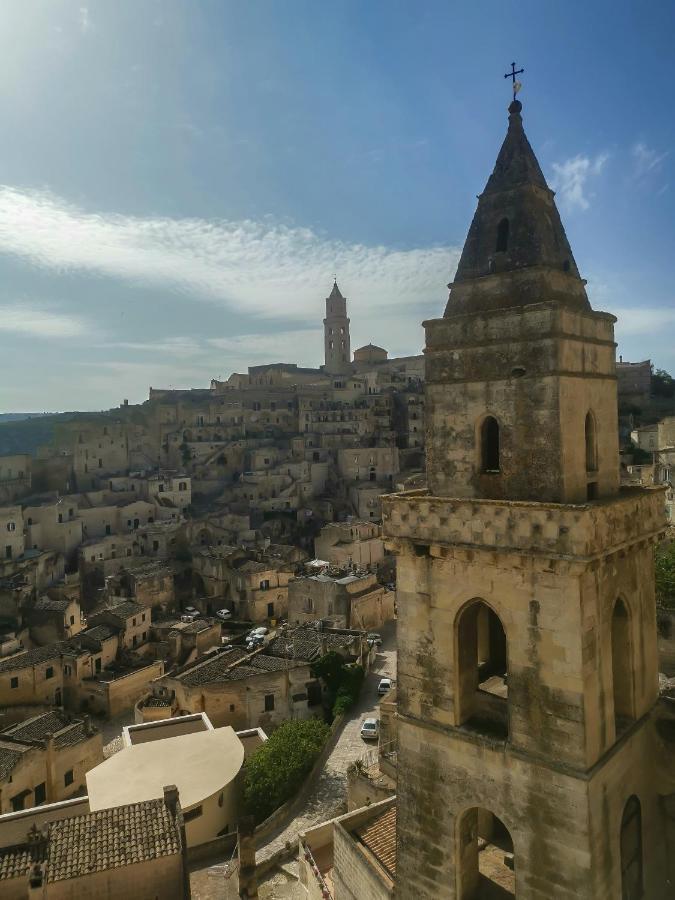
x=370, y=729
x=374, y=638
x=384, y=686
x=223, y=614
x=192, y=611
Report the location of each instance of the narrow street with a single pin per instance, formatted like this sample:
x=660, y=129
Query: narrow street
x=329, y=797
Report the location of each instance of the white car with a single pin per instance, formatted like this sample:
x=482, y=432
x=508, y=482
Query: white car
x=384, y=686
x=370, y=729
x=223, y=614
x=258, y=632
x=192, y=611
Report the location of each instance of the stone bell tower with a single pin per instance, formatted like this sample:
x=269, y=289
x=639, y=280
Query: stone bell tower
x=336, y=334
x=528, y=684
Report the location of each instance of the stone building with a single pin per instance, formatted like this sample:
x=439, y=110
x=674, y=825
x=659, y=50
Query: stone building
x=351, y=543
x=155, y=754
x=236, y=687
x=343, y=599
x=44, y=759
x=15, y=477
x=336, y=334
x=532, y=752
x=64, y=851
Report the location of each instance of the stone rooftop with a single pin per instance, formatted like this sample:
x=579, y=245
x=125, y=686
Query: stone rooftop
x=67, y=731
x=31, y=657
x=46, y=604
x=97, y=841
x=379, y=836
x=233, y=665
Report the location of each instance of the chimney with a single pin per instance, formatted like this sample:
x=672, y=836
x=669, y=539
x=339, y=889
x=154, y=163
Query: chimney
x=620, y=359
x=88, y=730
x=171, y=798
x=248, y=883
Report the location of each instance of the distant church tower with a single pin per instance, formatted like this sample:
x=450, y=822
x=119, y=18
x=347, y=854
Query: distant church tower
x=336, y=334
x=528, y=749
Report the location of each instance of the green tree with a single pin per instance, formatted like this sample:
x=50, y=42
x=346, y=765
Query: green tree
x=664, y=560
x=276, y=771
x=663, y=384
x=342, y=681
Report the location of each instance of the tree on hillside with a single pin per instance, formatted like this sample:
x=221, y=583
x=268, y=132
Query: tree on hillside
x=276, y=771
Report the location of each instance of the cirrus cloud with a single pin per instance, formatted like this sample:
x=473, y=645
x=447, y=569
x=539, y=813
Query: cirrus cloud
x=268, y=270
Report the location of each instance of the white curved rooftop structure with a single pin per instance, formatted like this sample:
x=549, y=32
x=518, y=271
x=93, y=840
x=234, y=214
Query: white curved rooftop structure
x=199, y=762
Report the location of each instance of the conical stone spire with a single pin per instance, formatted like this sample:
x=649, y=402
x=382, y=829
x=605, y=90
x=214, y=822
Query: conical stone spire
x=335, y=293
x=516, y=251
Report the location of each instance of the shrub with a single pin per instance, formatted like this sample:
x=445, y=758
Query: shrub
x=664, y=560
x=343, y=682
x=349, y=690
x=276, y=771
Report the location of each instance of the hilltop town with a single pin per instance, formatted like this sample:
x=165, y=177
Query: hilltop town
x=279, y=562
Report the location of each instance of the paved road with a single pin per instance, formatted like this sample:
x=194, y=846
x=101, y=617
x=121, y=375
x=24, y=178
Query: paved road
x=329, y=797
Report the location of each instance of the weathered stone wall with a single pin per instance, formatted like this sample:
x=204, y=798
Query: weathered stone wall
x=538, y=370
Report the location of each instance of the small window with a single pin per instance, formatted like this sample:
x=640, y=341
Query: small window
x=591, y=443
x=68, y=777
x=49, y=673
x=14, y=683
x=17, y=802
x=72, y=620
x=11, y=526
x=489, y=434
x=97, y=664
x=502, y=236
x=231, y=707
x=40, y=794
x=60, y=517
x=269, y=702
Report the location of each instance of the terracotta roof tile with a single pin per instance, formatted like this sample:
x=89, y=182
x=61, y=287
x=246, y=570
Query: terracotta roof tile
x=379, y=836
x=109, y=838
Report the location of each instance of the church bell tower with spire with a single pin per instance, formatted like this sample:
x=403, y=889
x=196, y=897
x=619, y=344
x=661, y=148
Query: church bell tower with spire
x=337, y=351
x=529, y=762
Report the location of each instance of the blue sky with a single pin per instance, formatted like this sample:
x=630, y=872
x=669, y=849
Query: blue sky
x=180, y=178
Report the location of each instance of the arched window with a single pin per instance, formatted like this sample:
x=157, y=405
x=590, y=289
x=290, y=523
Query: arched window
x=591, y=443
x=502, y=236
x=631, y=850
x=622, y=674
x=482, y=687
x=489, y=443
x=487, y=866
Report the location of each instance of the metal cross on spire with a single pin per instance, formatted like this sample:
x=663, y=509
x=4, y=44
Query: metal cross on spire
x=512, y=75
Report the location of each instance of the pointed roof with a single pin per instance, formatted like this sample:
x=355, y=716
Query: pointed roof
x=516, y=163
x=335, y=293
x=516, y=251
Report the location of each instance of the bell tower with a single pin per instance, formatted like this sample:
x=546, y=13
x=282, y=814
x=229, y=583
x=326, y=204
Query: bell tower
x=527, y=666
x=337, y=352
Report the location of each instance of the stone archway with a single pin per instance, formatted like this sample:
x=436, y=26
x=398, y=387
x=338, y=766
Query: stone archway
x=486, y=864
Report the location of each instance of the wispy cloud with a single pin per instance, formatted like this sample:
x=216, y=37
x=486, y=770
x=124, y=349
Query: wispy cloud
x=570, y=179
x=646, y=159
x=271, y=346
x=40, y=323
x=267, y=270
x=643, y=320
x=83, y=19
